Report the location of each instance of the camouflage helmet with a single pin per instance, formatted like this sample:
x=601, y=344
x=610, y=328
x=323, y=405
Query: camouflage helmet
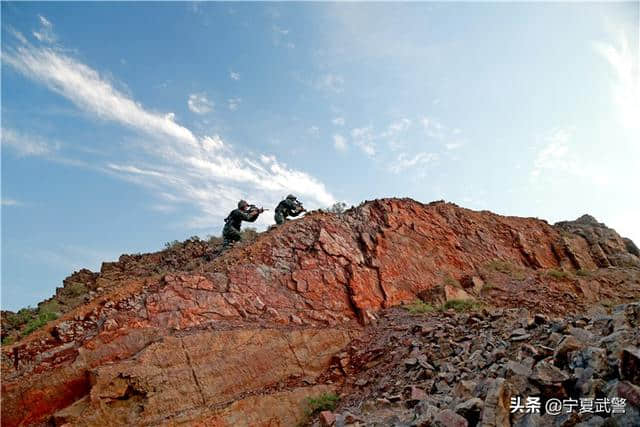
x=291, y=197
x=242, y=204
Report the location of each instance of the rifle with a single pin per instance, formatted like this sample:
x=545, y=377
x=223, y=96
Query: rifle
x=299, y=206
x=255, y=208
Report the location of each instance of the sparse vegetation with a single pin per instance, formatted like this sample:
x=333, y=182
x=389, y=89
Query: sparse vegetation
x=558, y=274
x=419, y=307
x=337, y=208
x=487, y=287
x=74, y=290
x=27, y=320
x=505, y=267
x=249, y=234
x=610, y=303
x=38, y=321
x=323, y=402
x=462, y=305
x=584, y=273
x=173, y=245
x=21, y=317
x=214, y=240
x=450, y=281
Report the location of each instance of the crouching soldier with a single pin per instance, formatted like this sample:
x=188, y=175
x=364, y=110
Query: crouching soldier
x=233, y=222
x=288, y=207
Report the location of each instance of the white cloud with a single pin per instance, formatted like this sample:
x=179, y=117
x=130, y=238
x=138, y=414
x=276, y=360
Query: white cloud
x=399, y=126
x=17, y=34
x=452, y=145
x=553, y=156
x=199, y=104
x=45, y=32
x=626, y=84
x=167, y=158
x=331, y=83
x=90, y=92
x=364, y=139
x=339, y=142
x=234, y=75
x=280, y=37
x=394, y=131
x=405, y=161
x=433, y=128
x=11, y=202
x=234, y=103
x=26, y=144
x=338, y=121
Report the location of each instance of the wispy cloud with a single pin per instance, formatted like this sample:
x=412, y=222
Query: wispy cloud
x=27, y=144
x=45, y=32
x=433, y=128
x=339, y=142
x=330, y=82
x=558, y=158
x=404, y=161
x=199, y=104
x=626, y=81
x=168, y=158
x=17, y=34
x=11, y=202
x=395, y=132
x=234, y=103
x=364, y=139
x=234, y=75
x=280, y=37
x=338, y=121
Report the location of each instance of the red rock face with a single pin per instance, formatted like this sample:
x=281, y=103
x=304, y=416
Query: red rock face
x=181, y=338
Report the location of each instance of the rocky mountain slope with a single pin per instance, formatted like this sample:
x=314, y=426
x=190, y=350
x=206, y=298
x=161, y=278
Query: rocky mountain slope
x=183, y=336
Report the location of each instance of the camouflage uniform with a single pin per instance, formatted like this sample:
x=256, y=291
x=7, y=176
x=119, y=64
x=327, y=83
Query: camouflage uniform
x=231, y=230
x=288, y=207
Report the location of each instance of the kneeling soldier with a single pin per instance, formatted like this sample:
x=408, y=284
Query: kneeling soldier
x=288, y=207
x=233, y=222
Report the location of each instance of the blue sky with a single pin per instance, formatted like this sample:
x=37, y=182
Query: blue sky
x=127, y=125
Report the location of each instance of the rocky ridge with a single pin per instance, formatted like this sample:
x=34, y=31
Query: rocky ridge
x=463, y=369
x=185, y=337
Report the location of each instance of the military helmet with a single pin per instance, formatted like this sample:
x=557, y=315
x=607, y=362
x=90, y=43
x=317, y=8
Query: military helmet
x=242, y=204
x=291, y=197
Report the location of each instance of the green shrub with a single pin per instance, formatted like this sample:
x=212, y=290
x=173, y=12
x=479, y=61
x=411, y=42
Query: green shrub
x=37, y=322
x=52, y=306
x=487, y=287
x=508, y=268
x=214, y=240
x=337, y=208
x=584, y=273
x=249, y=234
x=558, y=274
x=173, y=245
x=7, y=340
x=419, y=307
x=76, y=289
x=15, y=320
x=323, y=402
x=450, y=281
x=462, y=305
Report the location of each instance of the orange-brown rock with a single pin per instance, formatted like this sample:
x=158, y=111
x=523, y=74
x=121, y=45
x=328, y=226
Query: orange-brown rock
x=177, y=336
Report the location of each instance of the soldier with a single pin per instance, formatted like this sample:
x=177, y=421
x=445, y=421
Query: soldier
x=288, y=207
x=231, y=230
